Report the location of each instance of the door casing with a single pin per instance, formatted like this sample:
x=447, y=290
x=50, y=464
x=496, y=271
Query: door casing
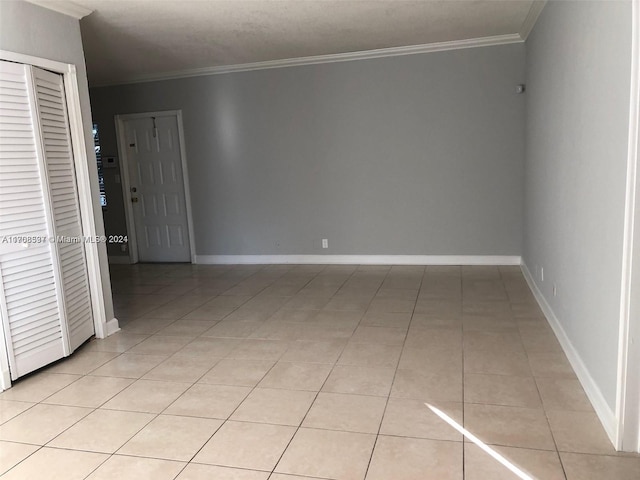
x=126, y=181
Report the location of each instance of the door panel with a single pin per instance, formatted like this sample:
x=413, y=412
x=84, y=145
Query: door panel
x=156, y=180
x=58, y=158
x=30, y=302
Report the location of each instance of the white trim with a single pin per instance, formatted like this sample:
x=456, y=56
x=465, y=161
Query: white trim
x=359, y=259
x=532, y=18
x=628, y=393
x=600, y=405
x=126, y=181
x=112, y=326
x=119, y=260
x=76, y=127
x=318, y=59
x=65, y=7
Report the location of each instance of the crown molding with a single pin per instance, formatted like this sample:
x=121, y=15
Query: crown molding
x=318, y=59
x=532, y=18
x=65, y=7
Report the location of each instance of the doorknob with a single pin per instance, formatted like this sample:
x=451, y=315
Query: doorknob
x=134, y=199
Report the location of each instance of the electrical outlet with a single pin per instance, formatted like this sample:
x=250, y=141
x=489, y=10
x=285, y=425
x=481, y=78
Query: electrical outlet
x=555, y=290
x=541, y=274
x=325, y=243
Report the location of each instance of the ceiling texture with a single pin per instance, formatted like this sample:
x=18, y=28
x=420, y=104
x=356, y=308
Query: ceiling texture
x=139, y=40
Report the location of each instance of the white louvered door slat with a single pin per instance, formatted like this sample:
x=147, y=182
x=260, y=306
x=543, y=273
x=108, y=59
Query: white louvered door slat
x=56, y=141
x=32, y=324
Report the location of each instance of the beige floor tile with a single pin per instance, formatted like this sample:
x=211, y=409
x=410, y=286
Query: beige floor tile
x=118, y=342
x=478, y=341
x=259, y=350
x=563, y=394
x=487, y=323
x=386, y=319
x=56, y=464
x=415, y=459
x=182, y=368
x=314, y=352
x=538, y=464
x=434, y=339
x=279, y=407
x=283, y=476
x=285, y=315
x=171, y=438
x=429, y=322
x=349, y=413
x=412, y=418
x=391, y=305
x=438, y=387
x=186, y=328
x=359, y=380
x=103, y=431
x=129, y=365
x=327, y=454
x=597, y=467
x=537, y=340
x=81, y=362
x=89, y=391
x=209, y=347
x=437, y=360
x=122, y=467
x=13, y=453
x=195, y=471
x=41, y=423
x=147, y=326
x=254, y=446
x=501, y=390
x=237, y=372
x=209, y=401
x=36, y=388
x=379, y=335
x=147, y=396
x=553, y=365
x=296, y=376
x=348, y=303
x=370, y=355
x=496, y=362
x=509, y=426
x=579, y=432
x=161, y=345
x=278, y=331
x=306, y=302
x=10, y=409
x=233, y=329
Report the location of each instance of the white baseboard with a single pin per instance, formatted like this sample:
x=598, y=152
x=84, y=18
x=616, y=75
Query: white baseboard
x=603, y=410
x=119, y=260
x=5, y=380
x=359, y=259
x=112, y=327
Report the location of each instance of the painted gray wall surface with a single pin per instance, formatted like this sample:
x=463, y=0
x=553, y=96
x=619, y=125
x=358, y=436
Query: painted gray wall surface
x=31, y=30
x=578, y=79
x=420, y=154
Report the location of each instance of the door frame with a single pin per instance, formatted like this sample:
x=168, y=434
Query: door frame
x=95, y=268
x=126, y=181
x=628, y=391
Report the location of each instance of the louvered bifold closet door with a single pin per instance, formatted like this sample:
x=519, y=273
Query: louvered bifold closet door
x=58, y=156
x=29, y=301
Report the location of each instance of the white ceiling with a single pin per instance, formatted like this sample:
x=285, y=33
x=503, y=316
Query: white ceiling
x=129, y=40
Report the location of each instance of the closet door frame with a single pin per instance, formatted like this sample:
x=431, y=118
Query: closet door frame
x=83, y=179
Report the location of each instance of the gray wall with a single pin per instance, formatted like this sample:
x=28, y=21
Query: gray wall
x=420, y=154
x=578, y=74
x=31, y=30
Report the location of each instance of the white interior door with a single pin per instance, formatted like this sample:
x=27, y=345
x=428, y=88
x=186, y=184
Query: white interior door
x=157, y=189
x=35, y=273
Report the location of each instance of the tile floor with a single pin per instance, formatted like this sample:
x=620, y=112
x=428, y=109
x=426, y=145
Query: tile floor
x=310, y=372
